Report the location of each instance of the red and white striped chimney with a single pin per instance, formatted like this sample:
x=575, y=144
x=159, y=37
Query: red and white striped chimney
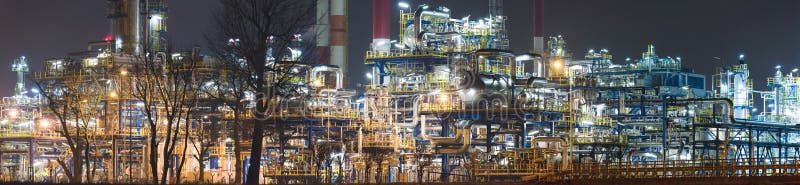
x=538, y=23
x=380, y=25
x=338, y=24
x=323, y=29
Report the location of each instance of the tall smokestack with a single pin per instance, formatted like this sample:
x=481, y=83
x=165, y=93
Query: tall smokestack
x=323, y=32
x=380, y=25
x=338, y=23
x=538, y=23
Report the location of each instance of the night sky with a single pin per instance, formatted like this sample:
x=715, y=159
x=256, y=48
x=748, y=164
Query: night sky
x=697, y=31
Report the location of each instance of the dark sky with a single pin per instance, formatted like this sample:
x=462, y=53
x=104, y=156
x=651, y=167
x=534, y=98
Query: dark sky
x=697, y=31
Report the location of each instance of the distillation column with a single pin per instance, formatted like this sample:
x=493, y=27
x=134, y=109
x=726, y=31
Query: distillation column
x=20, y=66
x=135, y=23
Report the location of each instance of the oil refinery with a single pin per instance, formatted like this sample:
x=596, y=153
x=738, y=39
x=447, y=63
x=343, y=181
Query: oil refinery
x=446, y=101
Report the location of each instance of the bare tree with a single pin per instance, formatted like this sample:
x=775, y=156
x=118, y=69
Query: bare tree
x=163, y=84
x=75, y=96
x=231, y=90
x=261, y=32
x=60, y=99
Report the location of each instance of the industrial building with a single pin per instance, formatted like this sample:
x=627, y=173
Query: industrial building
x=446, y=102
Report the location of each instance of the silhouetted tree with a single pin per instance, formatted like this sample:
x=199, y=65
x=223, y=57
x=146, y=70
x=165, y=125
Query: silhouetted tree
x=165, y=87
x=257, y=34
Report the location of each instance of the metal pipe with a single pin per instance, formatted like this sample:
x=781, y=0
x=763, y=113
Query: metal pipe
x=463, y=124
x=564, y=148
x=315, y=72
x=418, y=20
x=466, y=138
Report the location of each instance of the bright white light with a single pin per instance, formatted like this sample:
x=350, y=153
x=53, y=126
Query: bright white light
x=403, y=5
x=445, y=9
x=425, y=7
x=140, y=104
x=471, y=93
x=369, y=75
x=443, y=98
x=13, y=113
x=523, y=57
x=591, y=50
x=155, y=20
x=44, y=123
x=794, y=70
x=741, y=56
x=35, y=91
x=778, y=67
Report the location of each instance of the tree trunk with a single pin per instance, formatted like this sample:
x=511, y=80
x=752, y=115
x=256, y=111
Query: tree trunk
x=77, y=166
x=183, y=154
x=153, y=154
x=201, y=177
x=255, y=153
x=253, y=171
x=237, y=148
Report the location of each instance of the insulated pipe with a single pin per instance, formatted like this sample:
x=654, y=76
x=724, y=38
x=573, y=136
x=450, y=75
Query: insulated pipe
x=338, y=24
x=564, y=149
x=466, y=135
x=380, y=25
x=453, y=36
x=447, y=140
x=415, y=118
x=658, y=155
x=315, y=72
x=418, y=20
x=323, y=28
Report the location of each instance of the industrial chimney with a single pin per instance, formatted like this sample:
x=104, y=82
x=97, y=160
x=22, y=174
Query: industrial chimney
x=323, y=29
x=538, y=23
x=380, y=25
x=338, y=36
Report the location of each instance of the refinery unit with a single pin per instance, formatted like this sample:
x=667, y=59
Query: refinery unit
x=447, y=101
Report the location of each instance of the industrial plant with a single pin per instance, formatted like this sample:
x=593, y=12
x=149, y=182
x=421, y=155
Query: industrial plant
x=446, y=101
